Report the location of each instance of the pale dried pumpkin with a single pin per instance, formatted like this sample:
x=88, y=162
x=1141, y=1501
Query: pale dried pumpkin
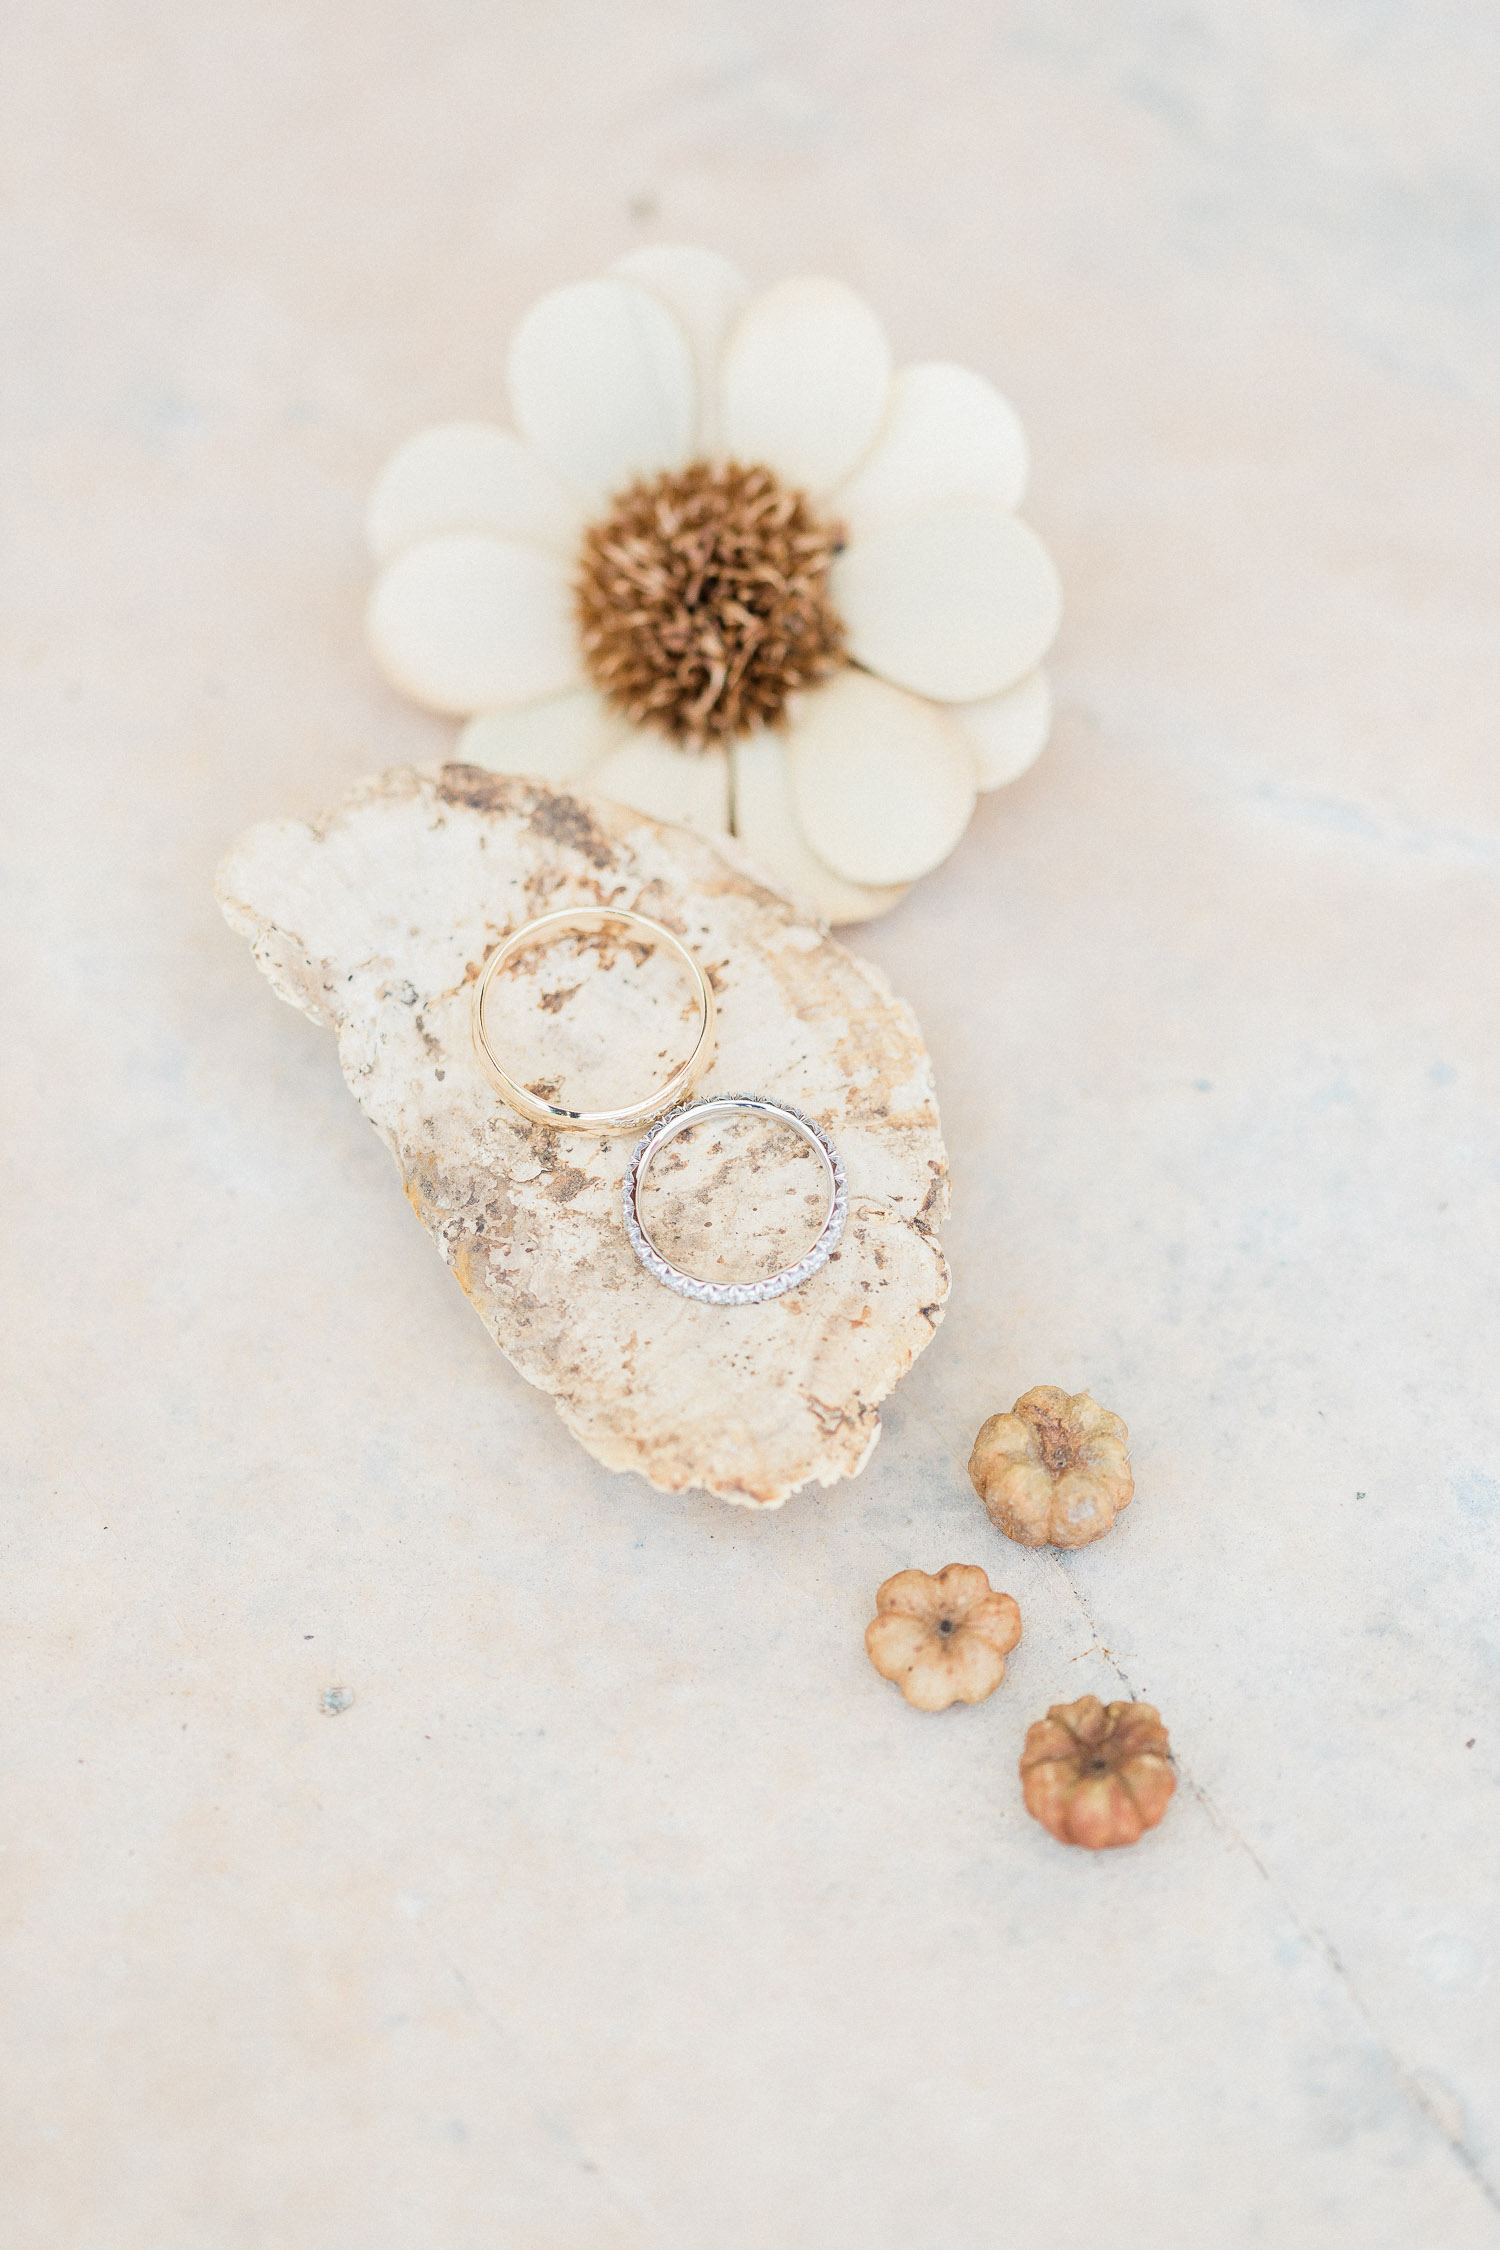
x=1054, y=1471
x=944, y=1637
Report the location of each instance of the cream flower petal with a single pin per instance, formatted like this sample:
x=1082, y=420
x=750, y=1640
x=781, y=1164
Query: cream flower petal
x=883, y=783
x=556, y=741
x=806, y=376
x=947, y=435
x=689, y=788
x=602, y=384
x=469, y=476
x=1008, y=730
x=765, y=822
x=469, y=623
x=956, y=603
x=708, y=295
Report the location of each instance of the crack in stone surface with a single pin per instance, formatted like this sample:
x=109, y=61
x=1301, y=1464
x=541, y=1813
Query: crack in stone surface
x=1404, y=2073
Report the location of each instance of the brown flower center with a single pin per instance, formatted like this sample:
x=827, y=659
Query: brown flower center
x=702, y=601
x=945, y=1624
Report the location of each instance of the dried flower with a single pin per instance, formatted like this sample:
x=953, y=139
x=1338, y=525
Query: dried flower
x=1054, y=1471
x=942, y=1639
x=733, y=569
x=1097, y=1774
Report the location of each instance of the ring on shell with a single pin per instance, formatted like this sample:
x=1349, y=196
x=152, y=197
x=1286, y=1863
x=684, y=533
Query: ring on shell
x=735, y=1292
x=533, y=1107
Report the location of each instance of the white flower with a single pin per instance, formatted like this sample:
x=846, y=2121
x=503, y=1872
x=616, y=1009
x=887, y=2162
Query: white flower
x=611, y=598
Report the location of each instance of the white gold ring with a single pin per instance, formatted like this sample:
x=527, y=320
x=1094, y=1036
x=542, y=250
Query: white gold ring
x=735, y=1292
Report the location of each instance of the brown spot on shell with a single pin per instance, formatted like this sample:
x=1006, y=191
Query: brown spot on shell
x=479, y=789
x=563, y=820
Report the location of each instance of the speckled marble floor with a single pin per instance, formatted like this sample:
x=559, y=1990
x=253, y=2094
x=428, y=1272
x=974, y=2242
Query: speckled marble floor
x=623, y=1904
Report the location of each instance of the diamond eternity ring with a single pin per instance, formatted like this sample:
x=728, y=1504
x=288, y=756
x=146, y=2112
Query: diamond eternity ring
x=735, y=1292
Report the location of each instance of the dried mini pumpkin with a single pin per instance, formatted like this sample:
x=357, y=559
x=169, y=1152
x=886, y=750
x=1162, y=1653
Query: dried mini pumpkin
x=1098, y=1774
x=943, y=1639
x=1054, y=1471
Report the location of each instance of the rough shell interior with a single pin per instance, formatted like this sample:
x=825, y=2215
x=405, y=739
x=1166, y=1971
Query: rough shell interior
x=376, y=918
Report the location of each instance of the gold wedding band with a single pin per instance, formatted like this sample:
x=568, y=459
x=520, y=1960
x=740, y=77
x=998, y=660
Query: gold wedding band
x=584, y=920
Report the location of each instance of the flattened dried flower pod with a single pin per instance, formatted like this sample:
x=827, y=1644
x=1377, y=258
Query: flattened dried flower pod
x=1098, y=1774
x=1054, y=1471
x=943, y=1639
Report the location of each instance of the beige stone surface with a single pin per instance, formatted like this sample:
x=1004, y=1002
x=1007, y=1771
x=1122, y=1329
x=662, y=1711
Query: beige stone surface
x=624, y=1904
x=375, y=920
